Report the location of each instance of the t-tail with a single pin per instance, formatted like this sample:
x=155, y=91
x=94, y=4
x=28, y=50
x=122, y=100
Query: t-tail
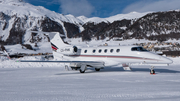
x=59, y=47
x=56, y=41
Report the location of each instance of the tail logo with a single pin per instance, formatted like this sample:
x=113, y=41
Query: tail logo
x=54, y=47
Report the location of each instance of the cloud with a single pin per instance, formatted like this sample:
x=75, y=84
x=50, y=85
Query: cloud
x=150, y=5
x=51, y=2
x=76, y=7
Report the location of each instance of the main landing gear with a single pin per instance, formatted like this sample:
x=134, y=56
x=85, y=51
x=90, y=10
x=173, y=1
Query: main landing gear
x=152, y=70
x=126, y=67
x=81, y=71
x=83, y=68
x=97, y=69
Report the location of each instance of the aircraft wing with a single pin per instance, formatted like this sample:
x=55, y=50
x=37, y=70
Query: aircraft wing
x=92, y=63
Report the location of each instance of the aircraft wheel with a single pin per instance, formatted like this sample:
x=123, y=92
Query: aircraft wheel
x=81, y=71
x=97, y=69
x=152, y=72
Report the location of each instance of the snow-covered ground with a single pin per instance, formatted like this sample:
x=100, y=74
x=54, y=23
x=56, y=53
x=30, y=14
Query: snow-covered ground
x=44, y=47
x=51, y=82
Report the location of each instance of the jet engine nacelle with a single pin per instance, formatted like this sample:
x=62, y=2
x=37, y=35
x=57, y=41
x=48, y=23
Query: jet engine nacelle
x=69, y=50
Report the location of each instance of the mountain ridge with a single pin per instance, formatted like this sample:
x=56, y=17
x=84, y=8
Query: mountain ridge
x=18, y=18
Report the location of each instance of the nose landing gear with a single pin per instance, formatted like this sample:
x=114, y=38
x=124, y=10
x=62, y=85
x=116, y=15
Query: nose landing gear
x=152, y=71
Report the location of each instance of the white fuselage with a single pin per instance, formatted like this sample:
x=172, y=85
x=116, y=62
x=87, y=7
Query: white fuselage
x=79, y=58
x=115, y=55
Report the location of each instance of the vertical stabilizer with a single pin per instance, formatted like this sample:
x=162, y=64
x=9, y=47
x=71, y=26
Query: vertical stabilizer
x=56, y=41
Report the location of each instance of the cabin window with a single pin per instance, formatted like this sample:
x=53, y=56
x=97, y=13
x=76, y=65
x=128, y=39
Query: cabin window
x=138, y=49
x=100, y=51
x=105, y=51
x=85, y=51
x=94, y=51
x=75, y=48
x=118, y=50
x=111, y=50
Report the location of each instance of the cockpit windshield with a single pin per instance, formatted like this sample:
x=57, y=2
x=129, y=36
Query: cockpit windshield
x=138, y=49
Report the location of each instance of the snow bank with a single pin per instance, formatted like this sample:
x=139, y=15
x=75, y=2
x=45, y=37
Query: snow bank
x=6, y=63
x=44, y=47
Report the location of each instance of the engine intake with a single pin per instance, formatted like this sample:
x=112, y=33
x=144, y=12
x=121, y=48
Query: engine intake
x=69, y=50
x=75, y=49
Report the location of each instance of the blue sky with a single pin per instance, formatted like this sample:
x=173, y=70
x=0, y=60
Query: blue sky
x=105, y=8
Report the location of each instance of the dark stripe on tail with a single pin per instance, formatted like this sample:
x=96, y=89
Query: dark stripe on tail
x=54, y=47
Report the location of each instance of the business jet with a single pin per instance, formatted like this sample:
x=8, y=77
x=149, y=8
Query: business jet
x=79, y=58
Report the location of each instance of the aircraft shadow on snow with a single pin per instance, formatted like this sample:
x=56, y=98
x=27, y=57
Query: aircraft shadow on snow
x=92, y=70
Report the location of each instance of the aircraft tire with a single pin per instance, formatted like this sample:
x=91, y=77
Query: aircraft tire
x=81, y=71
x=97, y=69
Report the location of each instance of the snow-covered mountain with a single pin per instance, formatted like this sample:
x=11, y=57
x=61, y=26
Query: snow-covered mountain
x=160, y=26
x=21, y=9
x=129, y=16
x=18, y=18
